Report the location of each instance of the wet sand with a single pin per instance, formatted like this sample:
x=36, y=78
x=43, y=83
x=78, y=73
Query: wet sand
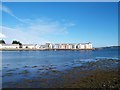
x=99, y=74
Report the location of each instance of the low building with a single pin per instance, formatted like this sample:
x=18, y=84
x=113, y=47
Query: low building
x=9, y=46
x=37, y=46
x=0, y=46
x=49, y=46
x=84, y=46
x=56, y=46
x=70, y=46
x=66, y=46
x=29, y=46
x=81, y=46
x=88, y=45
x=74, y=46
x=62, y=46
x=42, y=46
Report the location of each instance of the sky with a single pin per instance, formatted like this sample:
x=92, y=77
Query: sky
x=60, y=22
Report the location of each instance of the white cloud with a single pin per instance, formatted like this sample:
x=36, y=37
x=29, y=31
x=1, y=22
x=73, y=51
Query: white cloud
x=34, y=32
x=8, y=11
x=20, y=35
x=2, y=36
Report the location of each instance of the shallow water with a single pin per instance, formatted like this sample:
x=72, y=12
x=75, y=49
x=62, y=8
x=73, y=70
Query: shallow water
x=17, y=65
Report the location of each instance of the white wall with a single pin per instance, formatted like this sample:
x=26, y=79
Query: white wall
x=37, y=46
x=56, y=46
x=9, y=46
x=89, y=46
x=29, y=46
x=0, y=46
x=82, y=46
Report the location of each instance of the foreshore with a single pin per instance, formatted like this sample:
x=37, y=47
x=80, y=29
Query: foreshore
x=99, y=74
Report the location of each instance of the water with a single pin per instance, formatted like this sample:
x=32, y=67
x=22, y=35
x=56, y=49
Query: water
x=17, y=61
x=58, y=58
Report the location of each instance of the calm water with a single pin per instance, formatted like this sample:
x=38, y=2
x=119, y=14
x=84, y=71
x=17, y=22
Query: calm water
x=16, y=61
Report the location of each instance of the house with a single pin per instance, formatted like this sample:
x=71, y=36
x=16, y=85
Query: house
x=81, y=46
x=9, y=46
x=74, y=46
x=56, y=46
x=49, y=46
x=88, y=45
x=84, y=46
x=0, y=46
x=42, y=46
x=37, y=46
x=62, y=46
x=69, y=46
x=29, y=46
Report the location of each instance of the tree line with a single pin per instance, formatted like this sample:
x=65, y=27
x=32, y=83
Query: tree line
x=13, y=42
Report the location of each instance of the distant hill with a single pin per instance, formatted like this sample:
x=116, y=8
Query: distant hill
x=110, y=47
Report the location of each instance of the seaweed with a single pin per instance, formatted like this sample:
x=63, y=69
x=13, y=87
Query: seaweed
x=24, y=72
x=8, y=74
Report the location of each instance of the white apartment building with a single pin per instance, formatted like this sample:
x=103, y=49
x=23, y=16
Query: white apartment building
x=85, y=46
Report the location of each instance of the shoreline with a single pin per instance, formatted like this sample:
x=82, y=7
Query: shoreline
x=99, y=74
x=42, y=49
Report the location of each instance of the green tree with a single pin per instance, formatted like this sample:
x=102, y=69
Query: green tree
x=2, y=42
x=16, y=42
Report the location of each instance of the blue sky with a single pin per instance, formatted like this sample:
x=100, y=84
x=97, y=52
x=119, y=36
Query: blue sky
x=65, y=22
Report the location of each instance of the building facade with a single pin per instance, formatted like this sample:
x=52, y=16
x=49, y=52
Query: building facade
x=48, y=46
x=29, y=46
x=9, y=46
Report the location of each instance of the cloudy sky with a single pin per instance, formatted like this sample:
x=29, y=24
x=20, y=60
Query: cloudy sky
x=66, y=22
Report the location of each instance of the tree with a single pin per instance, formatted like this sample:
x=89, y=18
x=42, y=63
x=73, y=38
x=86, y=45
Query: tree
x=16, y=42
x=2, y=42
